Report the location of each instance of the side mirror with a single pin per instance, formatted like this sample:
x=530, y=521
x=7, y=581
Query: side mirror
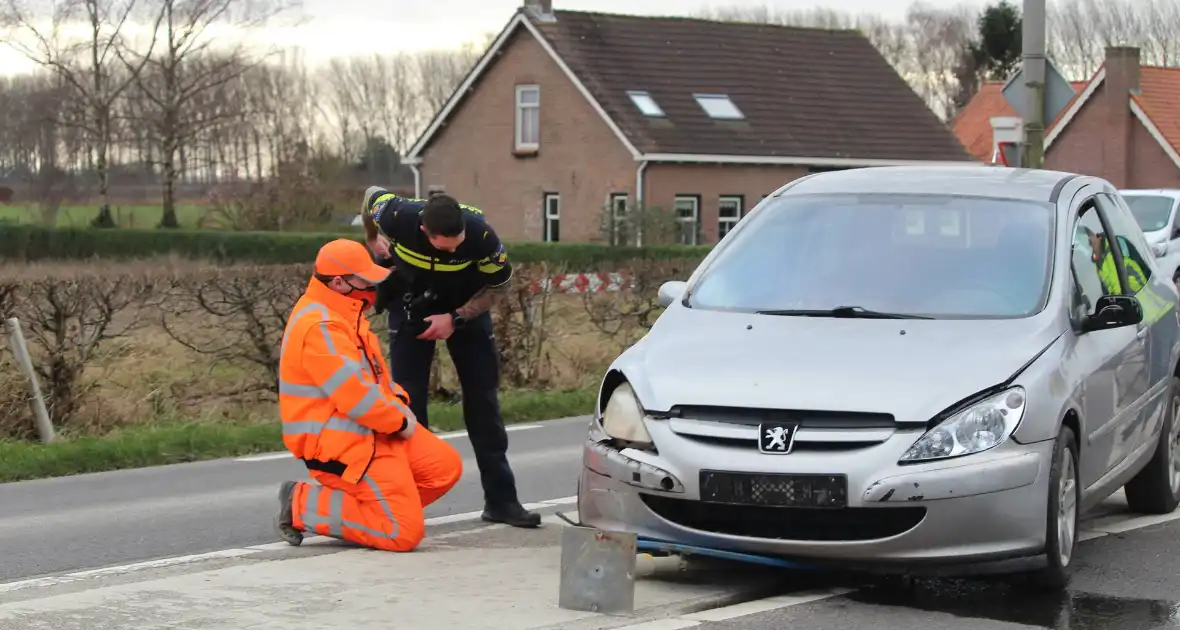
x=671, y=291
x=1114, y=311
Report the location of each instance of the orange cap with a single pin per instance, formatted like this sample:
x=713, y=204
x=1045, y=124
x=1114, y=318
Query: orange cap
x=343, y=257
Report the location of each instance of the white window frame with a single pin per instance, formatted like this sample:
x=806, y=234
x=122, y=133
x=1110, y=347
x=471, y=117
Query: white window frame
x=694, y=220
x=710, y=102
x=728, y=222
x=618, y=215
x=552, y=214
x=646, y=103
x=533, y=109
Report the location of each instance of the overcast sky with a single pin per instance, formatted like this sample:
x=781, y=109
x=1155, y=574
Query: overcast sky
x=344, y=27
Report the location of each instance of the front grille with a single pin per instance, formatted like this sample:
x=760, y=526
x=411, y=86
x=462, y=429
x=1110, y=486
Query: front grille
x=800, y=445
x=787, y=523
x=807, y=419
x=778, y=490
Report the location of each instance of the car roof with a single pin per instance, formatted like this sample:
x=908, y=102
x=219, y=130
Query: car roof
x=997, y=181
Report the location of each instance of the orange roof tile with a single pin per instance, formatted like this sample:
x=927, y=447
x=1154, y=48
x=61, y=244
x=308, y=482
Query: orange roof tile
x=1159, y=98
x=972, y=126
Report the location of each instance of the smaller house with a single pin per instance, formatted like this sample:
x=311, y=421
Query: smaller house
x=1123, y=124
x=572, y=120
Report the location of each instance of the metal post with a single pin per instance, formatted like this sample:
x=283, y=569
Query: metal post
x=1032, y=36
x=20, y=350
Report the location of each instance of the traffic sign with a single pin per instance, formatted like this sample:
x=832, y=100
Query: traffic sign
x=1058, y=93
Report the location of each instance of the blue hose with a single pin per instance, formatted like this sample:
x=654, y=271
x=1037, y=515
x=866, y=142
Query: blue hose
x=649, y=544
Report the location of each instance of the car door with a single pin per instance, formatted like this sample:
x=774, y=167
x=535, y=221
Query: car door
x=1110, y=361
x=1158, y=331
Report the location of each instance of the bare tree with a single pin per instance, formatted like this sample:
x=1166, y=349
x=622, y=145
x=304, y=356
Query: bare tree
x=185, y=68
x=88, y=66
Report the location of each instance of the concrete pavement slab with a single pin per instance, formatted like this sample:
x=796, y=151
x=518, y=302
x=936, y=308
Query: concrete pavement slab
x=493, y=578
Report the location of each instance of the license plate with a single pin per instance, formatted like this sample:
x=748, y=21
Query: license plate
x=774, y=490
x=777, y=438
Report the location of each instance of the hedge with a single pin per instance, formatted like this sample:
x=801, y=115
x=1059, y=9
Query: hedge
x=32, y=243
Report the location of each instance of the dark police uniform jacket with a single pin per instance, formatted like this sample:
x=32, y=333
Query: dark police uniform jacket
x=479, y=261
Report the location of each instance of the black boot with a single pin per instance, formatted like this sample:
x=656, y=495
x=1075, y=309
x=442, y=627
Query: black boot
x=283, y=520
x=512, y=514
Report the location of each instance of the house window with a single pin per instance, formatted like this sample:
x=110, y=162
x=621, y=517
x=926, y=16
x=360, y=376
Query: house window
x=528, y=117
x=552, y=217
x=646, y=104
x=729, y=212
x=719, y=106
x=688, y=215
x=618, y=219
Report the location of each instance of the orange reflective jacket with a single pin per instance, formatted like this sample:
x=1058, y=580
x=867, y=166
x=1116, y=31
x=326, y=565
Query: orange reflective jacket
x=334, y=385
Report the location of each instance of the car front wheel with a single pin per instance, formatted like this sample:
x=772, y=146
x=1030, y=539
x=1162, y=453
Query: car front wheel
x=1061, y=523
x=1156, y=489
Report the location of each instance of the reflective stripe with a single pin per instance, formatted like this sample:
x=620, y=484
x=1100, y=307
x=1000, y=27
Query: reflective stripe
x=315, y=427
x=299, y=314
x=335, y=519
x=299, y=391
x=426, y=262
x=487, y=266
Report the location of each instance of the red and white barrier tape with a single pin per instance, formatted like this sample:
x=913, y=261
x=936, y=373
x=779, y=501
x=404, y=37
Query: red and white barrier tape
x=583, y=283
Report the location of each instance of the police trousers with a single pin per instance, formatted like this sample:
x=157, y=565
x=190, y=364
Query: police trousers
x=473, y=350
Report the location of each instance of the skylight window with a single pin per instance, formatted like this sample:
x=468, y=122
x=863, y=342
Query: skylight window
x=719, y=106
x=645, y=103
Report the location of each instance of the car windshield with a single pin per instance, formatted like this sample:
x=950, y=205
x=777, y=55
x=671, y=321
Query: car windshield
x=939, y=256
x=1151, y=211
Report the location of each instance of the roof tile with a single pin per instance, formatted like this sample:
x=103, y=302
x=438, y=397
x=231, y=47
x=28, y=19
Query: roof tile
x=805, y=92
x=1160, y=100
x=972, y=125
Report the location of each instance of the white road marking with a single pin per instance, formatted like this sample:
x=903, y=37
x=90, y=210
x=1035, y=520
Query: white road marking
x=764, y=605
x=55, y=580
x=667, y=623
x=266, y=457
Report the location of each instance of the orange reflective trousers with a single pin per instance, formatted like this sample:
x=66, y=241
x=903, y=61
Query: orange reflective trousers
x=384, y=509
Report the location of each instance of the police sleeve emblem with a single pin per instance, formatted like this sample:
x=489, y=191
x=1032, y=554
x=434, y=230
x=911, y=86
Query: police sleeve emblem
x=499, y=256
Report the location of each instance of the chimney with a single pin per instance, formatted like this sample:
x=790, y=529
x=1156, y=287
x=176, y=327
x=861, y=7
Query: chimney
x=1006, y=130
x=1122, y=80
x=540, y=10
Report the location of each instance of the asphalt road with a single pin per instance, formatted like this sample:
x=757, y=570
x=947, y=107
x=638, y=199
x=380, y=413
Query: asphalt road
x=1127, y=581
x=97, y=520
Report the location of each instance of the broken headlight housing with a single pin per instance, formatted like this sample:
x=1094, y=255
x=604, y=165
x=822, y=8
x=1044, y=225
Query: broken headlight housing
x=975, y=428
x=622, y=418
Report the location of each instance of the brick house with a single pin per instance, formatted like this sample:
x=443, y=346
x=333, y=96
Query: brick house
x=1122, y=124
x=572, y=115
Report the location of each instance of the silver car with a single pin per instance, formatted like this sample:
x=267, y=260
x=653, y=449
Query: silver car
x=900, y=367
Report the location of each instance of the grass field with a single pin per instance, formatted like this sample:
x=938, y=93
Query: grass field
x=130, y=216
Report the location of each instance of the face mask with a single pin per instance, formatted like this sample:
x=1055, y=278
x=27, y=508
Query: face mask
x=367, y=296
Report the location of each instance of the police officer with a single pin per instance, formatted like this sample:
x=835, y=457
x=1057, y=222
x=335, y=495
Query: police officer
x=450, y=268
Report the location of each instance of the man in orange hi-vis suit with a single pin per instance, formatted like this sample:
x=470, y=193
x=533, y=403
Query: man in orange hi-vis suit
x=349, y=423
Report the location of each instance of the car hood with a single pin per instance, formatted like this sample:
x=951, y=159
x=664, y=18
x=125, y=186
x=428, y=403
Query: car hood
x=1158, y=236
x=912, y=369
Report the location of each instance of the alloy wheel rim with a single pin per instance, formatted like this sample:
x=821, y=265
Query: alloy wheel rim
x=1067, y=507
x=1174, y=444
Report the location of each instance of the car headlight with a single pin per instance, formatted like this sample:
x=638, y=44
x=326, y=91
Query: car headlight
x=983, y=425
x=623, y=417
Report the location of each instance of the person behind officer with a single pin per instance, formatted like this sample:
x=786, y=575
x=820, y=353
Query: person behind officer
x=1103, y=259
x=348, y=421
x=450, y=269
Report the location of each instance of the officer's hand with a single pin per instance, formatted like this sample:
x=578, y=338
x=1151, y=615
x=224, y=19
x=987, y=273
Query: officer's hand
x=441, y=327
x=379, y=246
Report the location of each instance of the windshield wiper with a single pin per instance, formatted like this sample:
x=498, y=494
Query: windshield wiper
x=851, y=312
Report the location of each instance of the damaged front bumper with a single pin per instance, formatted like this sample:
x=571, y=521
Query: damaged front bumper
x=989, y=506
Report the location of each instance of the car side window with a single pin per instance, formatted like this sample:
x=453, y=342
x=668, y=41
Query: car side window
x=1088, y=283
x=1130, y=240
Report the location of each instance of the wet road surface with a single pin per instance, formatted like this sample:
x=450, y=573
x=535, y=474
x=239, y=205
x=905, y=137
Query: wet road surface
x=1122, y=581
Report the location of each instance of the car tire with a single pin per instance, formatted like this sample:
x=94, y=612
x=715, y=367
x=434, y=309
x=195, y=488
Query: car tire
x=1156, y=489
x=1064, y=490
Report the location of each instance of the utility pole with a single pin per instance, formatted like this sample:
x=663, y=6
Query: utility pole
x=1032, y=39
